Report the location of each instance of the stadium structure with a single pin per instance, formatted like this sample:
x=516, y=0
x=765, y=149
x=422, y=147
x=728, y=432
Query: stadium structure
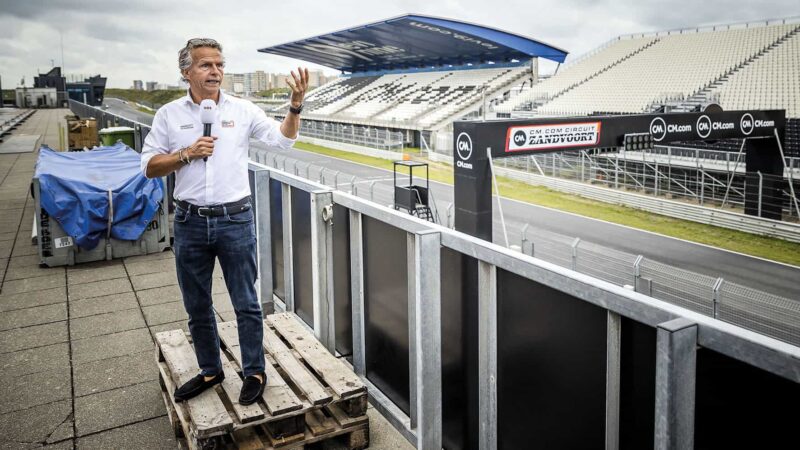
x=385, y=85
x=405, y=81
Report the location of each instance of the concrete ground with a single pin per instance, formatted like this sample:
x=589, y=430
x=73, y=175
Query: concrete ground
x=76, y=343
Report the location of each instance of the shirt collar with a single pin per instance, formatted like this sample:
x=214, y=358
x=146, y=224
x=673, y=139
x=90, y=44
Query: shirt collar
x=188, y=98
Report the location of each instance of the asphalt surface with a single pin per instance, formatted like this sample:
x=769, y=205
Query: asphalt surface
x=126, y=109
x=776, y=278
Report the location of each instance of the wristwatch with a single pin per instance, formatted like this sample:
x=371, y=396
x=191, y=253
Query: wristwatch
x=297, y=110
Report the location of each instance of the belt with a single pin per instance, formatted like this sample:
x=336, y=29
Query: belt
x=215, y=210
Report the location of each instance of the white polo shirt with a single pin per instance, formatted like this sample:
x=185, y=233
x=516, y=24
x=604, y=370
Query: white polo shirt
x=223, y=178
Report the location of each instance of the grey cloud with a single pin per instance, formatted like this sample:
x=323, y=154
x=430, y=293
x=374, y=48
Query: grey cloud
x=127, y=40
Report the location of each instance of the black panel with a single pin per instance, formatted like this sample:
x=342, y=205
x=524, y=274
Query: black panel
x=276, y=227
x=343, y=307
x=740, y=406
x=637, y=385
x=551, y=361
x=301, y=255
x=459, y=351
x=386, y=305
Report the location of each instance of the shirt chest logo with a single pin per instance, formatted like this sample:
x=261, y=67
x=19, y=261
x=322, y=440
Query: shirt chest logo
x=227, y=124
x=187, y=126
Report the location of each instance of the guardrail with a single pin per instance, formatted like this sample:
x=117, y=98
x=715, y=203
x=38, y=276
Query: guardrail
x=709, y=216
x=11, y=124
x=506, y=366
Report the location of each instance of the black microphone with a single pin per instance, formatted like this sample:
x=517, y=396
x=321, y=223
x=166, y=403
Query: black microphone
x=208, y=111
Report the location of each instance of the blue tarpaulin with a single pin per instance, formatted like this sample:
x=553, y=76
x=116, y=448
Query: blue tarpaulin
x=74, y=189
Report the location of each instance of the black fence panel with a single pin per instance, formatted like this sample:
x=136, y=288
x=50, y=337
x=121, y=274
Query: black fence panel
x=386, y=309
x=459, y=311
x=741, y=406
x=343, y=306
x=637, y=385
x=551, y=367
x=276, y=234
x=301, y=255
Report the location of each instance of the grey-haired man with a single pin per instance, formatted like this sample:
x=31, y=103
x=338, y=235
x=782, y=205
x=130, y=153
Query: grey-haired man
x=213, y=216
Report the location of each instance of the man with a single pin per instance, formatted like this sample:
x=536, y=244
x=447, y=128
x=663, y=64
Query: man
x=213, y=216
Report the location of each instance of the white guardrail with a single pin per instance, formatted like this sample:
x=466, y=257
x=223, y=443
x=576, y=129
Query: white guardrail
x=695, y=213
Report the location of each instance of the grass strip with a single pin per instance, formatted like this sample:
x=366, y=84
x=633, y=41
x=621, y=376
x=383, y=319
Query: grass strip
x=738, y=241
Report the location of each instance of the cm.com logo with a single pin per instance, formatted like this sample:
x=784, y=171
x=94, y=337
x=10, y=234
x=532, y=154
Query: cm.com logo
x=658, y=129
x=464, y=146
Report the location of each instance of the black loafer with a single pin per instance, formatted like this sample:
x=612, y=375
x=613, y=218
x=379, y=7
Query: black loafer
x=252, y=389
x=196, y=386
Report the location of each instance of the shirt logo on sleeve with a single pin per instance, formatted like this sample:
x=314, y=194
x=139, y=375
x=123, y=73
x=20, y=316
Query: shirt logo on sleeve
x=187, y=126
x=227, y=124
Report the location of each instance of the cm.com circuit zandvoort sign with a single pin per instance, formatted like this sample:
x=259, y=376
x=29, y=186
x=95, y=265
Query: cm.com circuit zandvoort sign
x=543, y=135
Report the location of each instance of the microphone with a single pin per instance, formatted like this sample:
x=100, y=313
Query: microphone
x=208, y=112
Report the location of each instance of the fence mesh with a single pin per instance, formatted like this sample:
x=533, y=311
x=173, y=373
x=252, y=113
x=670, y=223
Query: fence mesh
x=681, y=287
x=769, y=314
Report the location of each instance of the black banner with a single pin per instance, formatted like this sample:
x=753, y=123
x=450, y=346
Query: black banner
x=473, y=140
x=521, y=137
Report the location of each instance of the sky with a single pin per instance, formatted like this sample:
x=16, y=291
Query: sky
x=126, y=40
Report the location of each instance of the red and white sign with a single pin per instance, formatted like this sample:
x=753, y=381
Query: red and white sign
x=552, y=137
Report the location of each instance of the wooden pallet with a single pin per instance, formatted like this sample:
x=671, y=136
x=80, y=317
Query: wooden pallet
x=310, y=397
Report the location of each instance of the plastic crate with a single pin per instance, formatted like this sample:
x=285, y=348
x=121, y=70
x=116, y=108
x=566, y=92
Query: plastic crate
x=56, y=248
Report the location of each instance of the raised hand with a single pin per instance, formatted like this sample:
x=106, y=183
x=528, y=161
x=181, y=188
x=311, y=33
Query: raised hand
x=299, y=86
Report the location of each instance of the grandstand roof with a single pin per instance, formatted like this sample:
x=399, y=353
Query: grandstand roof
x=413, y=41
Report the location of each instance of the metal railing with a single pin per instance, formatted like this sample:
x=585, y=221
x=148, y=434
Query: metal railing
x=653, y=278
x=377, y=138
x=417, y=410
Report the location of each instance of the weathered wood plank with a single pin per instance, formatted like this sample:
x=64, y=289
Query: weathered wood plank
x=232, y=385
x=343, y=381
x=343, y=419
x=247, y=439
x=207, y=413
x=296, y=371
x=278, y=397
x=318, y=423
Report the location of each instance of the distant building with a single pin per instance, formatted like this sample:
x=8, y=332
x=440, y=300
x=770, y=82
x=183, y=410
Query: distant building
x=227, y=83
x=151, y=85
x=138, y=85
x=37, y=97
x=255, y=82
x=53, y=79
x=315, y=78
x=90, y=91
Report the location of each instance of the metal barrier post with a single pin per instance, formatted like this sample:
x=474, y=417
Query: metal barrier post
x=424, y=316
x=371, y=186
x=524, y=237
x=288, y=266
x=450, y=215
x=262, y=211
x=487, y=355
x=676, y=364
x=575, y=244
x=637, y=272
x=322, y=267
x=357, y=293
x=613, y=362
x=716, y=295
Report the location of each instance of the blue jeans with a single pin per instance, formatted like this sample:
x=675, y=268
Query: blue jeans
x=232, y=239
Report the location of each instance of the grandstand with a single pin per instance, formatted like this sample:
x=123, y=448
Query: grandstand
x=738, y=66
